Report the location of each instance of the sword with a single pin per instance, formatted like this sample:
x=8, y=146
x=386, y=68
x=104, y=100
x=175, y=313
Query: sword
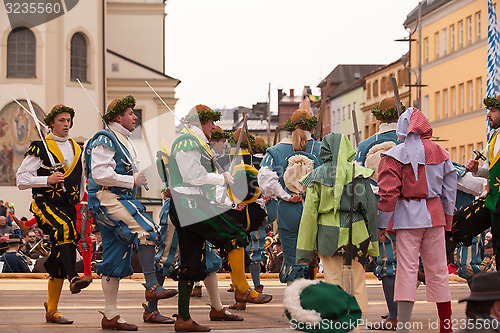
x=132, y=164
x=236, y=152
x=248, y=139
x=355, y=124
x=318, y=132
x=54, y=167
x=217, y=165
x=396, y=96
x=36, y=119
x=479, y=156
x=84, y=246
x=276, y=135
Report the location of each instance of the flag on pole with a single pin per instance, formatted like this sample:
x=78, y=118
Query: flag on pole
x=493, y=71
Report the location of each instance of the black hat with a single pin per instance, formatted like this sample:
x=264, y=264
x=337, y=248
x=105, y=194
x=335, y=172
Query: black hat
x=485, y=286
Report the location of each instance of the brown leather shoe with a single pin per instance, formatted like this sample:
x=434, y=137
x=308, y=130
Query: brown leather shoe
x=152, y=296
x=196, y=291
x=49, y=317
x=76, y=285
x=387, y=325
x=231, y=288
x=113, y=324
x=223, y=315
x=238, y=306
x=189, y=325
x=259, y=289
x=260, y=299
x=151, y=317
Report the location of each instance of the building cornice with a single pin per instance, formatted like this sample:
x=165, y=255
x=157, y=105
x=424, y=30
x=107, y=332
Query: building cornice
x=135, y=8
x=460, y=117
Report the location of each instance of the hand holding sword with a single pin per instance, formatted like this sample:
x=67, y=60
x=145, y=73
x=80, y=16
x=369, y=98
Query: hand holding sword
x=139, y=178
x=56, y=177
x=473, y=164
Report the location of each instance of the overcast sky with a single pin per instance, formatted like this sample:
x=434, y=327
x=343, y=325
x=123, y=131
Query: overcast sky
x=226, y=52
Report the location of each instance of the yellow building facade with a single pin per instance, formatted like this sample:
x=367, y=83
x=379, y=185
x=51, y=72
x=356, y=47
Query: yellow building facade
x=453, y=46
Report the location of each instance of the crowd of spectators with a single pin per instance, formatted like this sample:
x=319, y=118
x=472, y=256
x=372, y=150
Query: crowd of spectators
x=488, y=263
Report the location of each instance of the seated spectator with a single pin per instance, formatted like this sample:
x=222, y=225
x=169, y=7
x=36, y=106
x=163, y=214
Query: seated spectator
x=4, y=228
x=3, y=246
x=11, y=212
x=30, y=240
x=14, y=262
x=487, y=238
x=3, y=209
x=486, y=264
x=97, y=253
x=278, y=258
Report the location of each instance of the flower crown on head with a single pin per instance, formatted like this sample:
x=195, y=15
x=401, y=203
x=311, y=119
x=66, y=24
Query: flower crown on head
x=244, y=142
x=391, y=112
x=305, y=124
x=202, y=114
x=217, y=135
x=491, y=102
x=118, y=107
x=57, y=110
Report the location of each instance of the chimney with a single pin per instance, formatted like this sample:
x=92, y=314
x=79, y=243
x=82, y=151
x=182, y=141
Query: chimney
x=280, y=94
x=235, y=117
x=291, y=92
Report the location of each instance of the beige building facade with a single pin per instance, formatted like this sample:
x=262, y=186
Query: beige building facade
x=112, y=47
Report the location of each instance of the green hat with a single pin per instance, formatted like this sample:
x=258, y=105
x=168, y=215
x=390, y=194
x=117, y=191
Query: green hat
x=387, y=108
x=117, y=106
x=315, y=306
x=200, y=114
x=59, y=108
x=492, y=102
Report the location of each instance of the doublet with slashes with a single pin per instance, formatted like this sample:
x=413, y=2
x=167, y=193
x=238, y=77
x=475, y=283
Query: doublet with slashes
x=494, y=176
x=72, y=175
x=123, y=167
x=186, y=142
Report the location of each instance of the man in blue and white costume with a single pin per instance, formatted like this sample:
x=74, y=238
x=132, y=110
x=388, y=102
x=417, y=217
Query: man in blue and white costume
x=368, y=155
x=283, y=165
x=111, y=162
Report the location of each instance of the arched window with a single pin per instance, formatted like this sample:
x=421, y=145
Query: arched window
x=21, y=53
x=78, y=57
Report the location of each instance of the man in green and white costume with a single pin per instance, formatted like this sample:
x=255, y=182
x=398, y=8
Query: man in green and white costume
x=198, y=218
x=324, y=226
x=483, y=212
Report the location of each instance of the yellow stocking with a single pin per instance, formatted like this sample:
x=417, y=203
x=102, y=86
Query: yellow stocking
x=236, y=259
x=54, y=288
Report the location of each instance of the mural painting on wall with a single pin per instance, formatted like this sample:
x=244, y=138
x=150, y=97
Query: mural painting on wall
x=17, y=130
